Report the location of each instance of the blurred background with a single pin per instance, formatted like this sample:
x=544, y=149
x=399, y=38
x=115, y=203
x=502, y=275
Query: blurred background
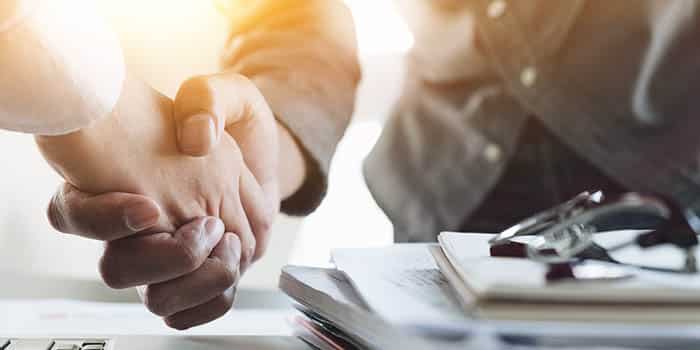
x=165, y=42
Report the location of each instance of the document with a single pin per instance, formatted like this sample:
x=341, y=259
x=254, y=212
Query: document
x=401, y=283
x=326, y=291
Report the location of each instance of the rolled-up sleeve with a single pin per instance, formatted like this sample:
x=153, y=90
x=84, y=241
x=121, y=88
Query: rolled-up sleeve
x=302, y=55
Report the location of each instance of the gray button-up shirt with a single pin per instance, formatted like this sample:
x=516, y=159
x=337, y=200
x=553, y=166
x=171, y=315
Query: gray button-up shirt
x=614, y=81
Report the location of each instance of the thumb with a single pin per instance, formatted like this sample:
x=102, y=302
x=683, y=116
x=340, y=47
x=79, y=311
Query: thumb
x=207, y=106
x=197, y=123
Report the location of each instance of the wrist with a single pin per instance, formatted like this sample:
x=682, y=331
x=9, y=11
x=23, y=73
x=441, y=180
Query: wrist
x=66, y=152
x=74, y=155
x=292, y=163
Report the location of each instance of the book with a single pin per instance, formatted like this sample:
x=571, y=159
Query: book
x=516, y=289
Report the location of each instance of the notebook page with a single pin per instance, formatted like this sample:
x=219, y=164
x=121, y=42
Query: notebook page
x=400, y=283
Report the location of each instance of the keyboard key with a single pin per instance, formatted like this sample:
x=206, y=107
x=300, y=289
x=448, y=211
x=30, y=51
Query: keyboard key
x=66, y=344
x=65, y=347
x=30, y=344
x=101, y=343
x=93, y=347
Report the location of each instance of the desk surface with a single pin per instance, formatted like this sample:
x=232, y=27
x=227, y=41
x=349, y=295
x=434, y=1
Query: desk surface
x=134, y=328
x=37, y=287
x=208, y=343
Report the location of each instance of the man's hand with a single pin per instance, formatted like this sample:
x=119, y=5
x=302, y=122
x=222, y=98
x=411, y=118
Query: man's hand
x=191, y=273
x=213, y=108
x=199, y=261
x=135, y=151
x=209, y=107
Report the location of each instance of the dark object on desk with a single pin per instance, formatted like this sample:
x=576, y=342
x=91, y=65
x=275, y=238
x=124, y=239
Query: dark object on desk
x=564, y=234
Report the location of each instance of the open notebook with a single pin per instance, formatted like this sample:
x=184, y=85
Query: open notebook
x=513, y=288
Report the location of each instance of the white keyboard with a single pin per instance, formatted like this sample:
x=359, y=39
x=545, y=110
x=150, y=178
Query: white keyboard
x=56, y=344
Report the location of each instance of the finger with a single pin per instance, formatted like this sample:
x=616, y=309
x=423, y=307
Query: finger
x=157, y=258
x=236, y=221
x=261, y=213
x=202, y=314
x=103, y=217
x=218, y=274
x=255, y=131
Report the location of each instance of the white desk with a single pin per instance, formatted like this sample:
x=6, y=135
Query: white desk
x=240, y=329
x=61, y=317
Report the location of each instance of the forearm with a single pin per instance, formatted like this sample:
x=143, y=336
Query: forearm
x=301, y=54
x=61, y=67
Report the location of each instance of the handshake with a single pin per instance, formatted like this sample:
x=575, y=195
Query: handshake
x=183, y=192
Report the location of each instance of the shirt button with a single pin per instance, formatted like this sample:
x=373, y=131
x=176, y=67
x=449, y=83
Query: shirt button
x=493, y=153
x=528, y=76
x=496, y=8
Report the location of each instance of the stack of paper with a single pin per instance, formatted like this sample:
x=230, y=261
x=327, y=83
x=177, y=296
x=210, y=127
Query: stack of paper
x=516, y=288
x=398, y=298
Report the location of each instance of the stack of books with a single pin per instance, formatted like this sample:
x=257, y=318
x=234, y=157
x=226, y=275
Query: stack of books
x=455, y=295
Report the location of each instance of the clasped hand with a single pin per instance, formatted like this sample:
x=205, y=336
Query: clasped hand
x=183, y=193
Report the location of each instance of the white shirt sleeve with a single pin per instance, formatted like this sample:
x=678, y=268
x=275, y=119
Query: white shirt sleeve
x=61, y=67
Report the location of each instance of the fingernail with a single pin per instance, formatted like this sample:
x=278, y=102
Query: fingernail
x=141, y=216
x=198, y=134
x=213, y=225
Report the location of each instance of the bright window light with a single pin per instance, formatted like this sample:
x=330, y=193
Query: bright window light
x=380, y=28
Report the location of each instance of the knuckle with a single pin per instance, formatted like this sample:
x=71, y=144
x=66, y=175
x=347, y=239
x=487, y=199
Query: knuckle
x=255, y=102
x=55, y=216
x=248, y=253
x=156, y=301
x=110, y=273
x=56, y=213
x=263, y=225
x=190, y=255
x=176, y=324
x=196, y=87
x=228, y=277
x=224, y=302
x=259, y=251
x=216, y=308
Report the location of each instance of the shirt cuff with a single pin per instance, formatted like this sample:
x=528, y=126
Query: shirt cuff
x=317, y=127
